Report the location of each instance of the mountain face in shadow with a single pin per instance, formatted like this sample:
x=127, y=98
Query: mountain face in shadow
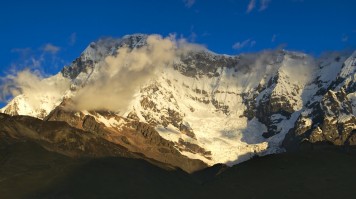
x=27, y=170
x=64, y=139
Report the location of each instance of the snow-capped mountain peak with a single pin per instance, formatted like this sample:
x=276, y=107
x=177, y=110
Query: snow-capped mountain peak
x=216, y=108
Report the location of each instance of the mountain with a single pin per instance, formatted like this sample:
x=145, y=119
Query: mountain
x=201, y=110
x=330, y=115
x=28, y=170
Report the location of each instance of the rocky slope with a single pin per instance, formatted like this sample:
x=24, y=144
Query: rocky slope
x=330, y=115
x=27, y=170
x=59, y=137
x=210, y=107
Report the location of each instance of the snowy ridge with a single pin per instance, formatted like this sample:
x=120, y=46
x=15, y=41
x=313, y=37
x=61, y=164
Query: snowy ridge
x=41, y=103
x=213, y=107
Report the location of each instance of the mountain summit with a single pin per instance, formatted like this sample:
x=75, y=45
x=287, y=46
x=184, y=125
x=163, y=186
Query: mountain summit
x=181, y=105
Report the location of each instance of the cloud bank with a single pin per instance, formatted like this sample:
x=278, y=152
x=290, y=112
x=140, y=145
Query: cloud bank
x=50, y=48
x=33, y=86
x=251, y=6
x=121, y=76
x=243, y=44
x=253, y=67
x=118, y=78
x=189, y=3
x=263, y=4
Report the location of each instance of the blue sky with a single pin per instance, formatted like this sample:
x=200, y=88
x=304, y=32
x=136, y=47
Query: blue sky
x=50, y=34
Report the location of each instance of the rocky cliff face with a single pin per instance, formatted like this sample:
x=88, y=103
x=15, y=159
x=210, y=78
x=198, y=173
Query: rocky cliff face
x=96, y=51
x=330, y=117
x=137, y=137
x=93, y=141
x=59, y=137
x=215, y=108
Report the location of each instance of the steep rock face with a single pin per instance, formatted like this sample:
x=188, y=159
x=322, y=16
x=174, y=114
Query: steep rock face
x=136, y=136
x=331, y=121
x=330, y=118
x=62, y=138
x=59, y=137
x=204, y=63
x=281, y=101
x=96, y=51
x=243, y=104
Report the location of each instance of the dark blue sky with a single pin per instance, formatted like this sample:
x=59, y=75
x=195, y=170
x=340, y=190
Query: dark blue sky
x=49, y=34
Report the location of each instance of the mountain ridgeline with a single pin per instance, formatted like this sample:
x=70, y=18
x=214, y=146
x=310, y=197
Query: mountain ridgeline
x=190, y=112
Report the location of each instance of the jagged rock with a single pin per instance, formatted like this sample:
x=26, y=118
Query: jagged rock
x=193, y=148
x=90, y=124
x=60, y=113
x=138, y=137
x=352, y=139
x=331, y=121
x=60, y=137
x=187, y=131
x=204, y=64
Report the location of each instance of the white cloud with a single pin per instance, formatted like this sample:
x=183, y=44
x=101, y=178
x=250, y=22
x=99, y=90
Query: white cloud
x=259, y=64
x=274, y=37
x=44, y=58
x=253, y=43
x=72, y=39
x=23, y=52
x=251, y=6
x=189, y=3
x=50, y=48
x=345, y=38
x=121, y=76
x=193, y=36
x=264, y=4
x=32, y=85
x=243, y=44
x=28, y=58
